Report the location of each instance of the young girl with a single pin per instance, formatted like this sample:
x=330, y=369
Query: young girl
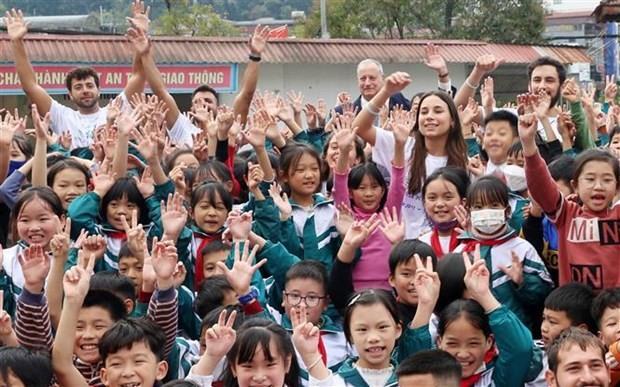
x=588, y=246
x=69, y=179
x=363, y=188
x=515, y=180
x=35, y=220
x=310, y=233
x=101, y=212
x=437, y=141
x=520, y=279
x=372, y=325
x=330, y=155
x=492, y=345
x=443, y=191
x=261, y=353
x=211, y=202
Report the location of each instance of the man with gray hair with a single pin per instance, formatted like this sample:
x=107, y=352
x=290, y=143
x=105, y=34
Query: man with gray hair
x=370, y=79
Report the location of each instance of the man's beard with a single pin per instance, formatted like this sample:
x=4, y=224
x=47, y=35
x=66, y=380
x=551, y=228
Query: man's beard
x=93, y=102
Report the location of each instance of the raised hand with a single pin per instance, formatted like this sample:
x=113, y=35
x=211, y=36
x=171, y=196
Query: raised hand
x=360, y=231
x=281, y=201
x=433, y=60
x=138, y=38
x=35, y=264
x=469, y=113
x=164, y=259
x=240, y=276
x=397, y=82
x=305, y=334
x=126, y=122
x=173, y=216
x=477, y=275
x=426, y=281
x=220, y=338
x=94, y=245
x=16, y=27
x=103, y=182
x=611, y=89
x=344, y=219
x=475, y=167
x=311, y=116
x=8, y=127
x=402, y=123
x=391, y=226
x=514, y=271
x=321, y=111
x=296, y=101
x=571, y=91
x=462, y=216
x=259, y=39
x=77, y=279
x=140, y=15
x=528, y=126
x=61, y=241
x=487, y=95
x=345, y=138
x=41, y=124
x=487, y=63
x=540, y=103
x=239, y=225
x=255, y=176
x=136, y=236
x=256, y=134
x=178, y=277
x=146, y=184
x=144, y=145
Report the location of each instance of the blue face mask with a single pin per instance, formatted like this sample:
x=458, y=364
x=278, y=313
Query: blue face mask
x=15, y=165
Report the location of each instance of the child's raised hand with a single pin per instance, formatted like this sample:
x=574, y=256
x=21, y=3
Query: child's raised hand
x=77, y=279
x=164, y=259
x=241, y=274
x=360, y=230
x=146, y=184
x=35, y=264
x=462, y=216
x=477, y=275
x=220, y=338
x=41, y=124
x=61, y=241
x=345, y=138
x=149, y=278
x=103, y=181
x=305, y=334
x=426, y=281
x=136, y=236
x=256, y=134
x=173, y=216
x=344, y=219
x=239, y=225
x=391, y=226
x=255, y=176
x=402, y=123
x=281, y=201
x=178, y=277
x=95, y=245
x=528, y=125
x=514, y=271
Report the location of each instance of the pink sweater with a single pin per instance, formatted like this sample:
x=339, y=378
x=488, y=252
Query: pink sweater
x=372, y=270
x=589, y=243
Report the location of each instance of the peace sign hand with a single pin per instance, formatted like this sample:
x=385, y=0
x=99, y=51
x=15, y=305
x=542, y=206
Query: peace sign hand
x=477, y=279
x=305, y=334
x=426, y=281
x=77, y=279
x=61, y=241
x=220, y=338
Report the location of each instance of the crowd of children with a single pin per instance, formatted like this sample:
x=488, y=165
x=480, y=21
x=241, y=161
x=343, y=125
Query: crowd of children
x=449, y=244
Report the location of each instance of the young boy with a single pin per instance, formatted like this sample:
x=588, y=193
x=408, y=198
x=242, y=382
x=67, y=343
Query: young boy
x=430, y=368
x=606, y=313
x=500, y=132
x=214, y=252
x=76, y=320
x=22, y=367
x=577, y=358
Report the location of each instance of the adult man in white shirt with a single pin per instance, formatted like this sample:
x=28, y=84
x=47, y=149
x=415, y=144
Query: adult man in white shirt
x=82, y=88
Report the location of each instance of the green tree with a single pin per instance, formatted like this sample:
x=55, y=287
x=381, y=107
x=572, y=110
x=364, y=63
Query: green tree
x=181, y=18
x=510, y=21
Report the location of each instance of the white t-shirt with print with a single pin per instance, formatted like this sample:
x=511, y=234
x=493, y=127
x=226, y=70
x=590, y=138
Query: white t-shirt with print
x=413, y=206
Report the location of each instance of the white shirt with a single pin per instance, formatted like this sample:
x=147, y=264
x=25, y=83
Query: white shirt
x=181, y=132
x=81, y=126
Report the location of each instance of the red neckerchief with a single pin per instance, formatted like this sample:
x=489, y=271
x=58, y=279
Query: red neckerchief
x=471, y=243
x=199, y=274
x=472, y=380
x=436, y=244
x=322, y=350
x=116, y=234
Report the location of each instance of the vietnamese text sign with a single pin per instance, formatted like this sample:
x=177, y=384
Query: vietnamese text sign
x=112, y=79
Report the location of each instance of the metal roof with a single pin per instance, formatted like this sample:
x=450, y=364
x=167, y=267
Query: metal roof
x=96, y=49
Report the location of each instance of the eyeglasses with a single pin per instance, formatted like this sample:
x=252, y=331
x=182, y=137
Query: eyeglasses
x=589, y=182
x=311, y=301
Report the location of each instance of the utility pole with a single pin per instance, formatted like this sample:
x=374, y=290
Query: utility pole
x=324, y=32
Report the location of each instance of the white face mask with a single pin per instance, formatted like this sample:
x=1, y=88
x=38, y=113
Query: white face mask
x=515, y=178
x=489, y=220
